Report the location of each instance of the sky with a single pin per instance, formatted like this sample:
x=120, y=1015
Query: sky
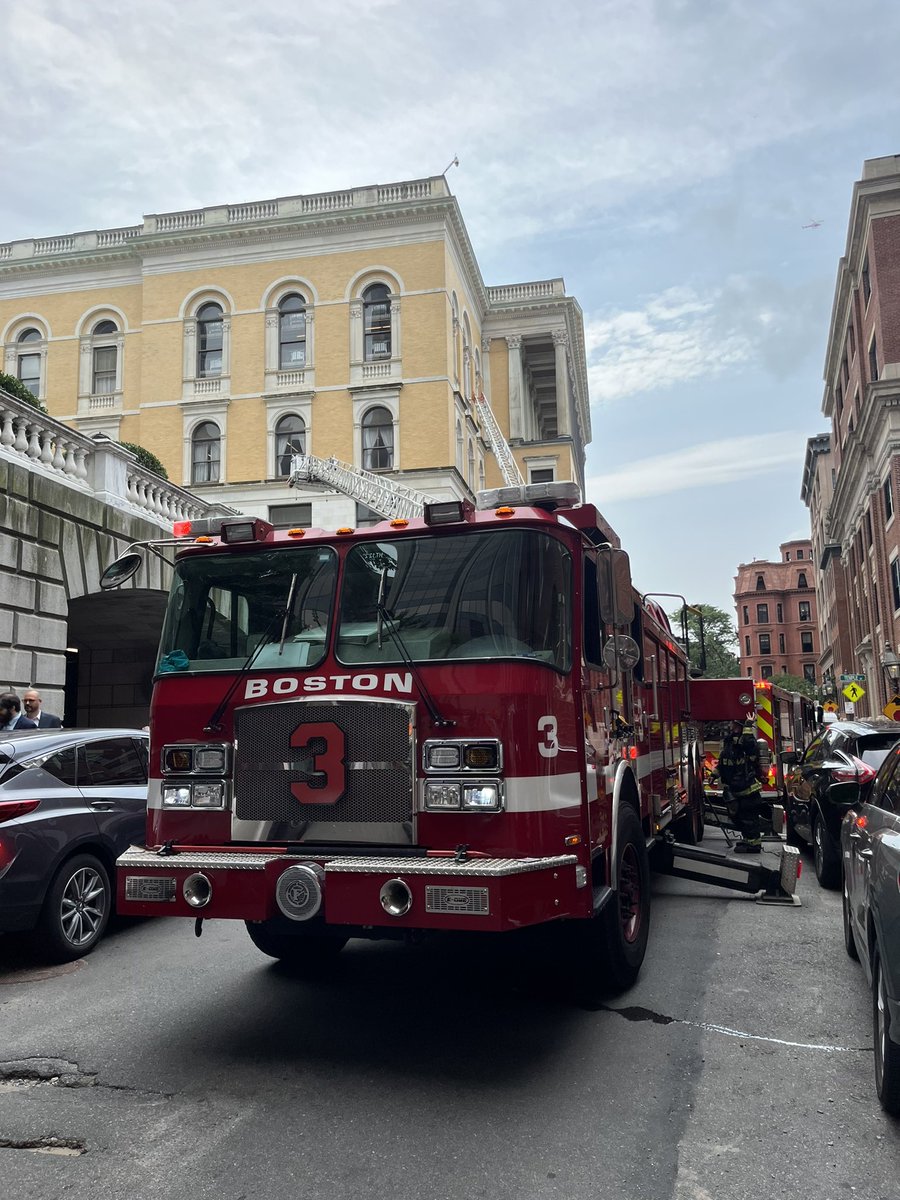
x=665, y=157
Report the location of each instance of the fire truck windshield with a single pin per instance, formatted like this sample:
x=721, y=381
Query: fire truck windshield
x=222, y=606
x=497, y=594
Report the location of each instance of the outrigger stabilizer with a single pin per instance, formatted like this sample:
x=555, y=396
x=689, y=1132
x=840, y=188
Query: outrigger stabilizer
x=771, y=884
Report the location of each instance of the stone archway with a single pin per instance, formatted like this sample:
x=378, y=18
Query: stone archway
x=112, y=643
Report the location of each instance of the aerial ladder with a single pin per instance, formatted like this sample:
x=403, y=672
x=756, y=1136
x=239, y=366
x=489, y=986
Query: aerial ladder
x=387, y=497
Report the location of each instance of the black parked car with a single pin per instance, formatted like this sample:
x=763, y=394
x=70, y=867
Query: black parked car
x=870, y=842
x=71, y=800
x=834, y=772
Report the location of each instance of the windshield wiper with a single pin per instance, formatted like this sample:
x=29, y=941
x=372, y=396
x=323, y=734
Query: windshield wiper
x=214, y=724
x=386, y=620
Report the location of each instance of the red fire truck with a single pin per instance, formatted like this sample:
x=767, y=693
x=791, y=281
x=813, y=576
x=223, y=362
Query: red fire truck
x=468, y=721
x=784, y=721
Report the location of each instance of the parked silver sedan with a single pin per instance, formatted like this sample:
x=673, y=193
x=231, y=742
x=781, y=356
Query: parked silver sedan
x=870, y=848
x=71, y=800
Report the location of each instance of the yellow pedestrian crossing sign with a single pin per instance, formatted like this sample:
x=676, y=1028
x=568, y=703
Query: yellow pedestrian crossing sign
x=892, y=708
x=854, y=692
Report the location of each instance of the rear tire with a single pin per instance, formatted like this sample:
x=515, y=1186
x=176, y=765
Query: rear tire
x=610, y=946
x=887, y=1052
x=826, y=861
x=849, y=943
x=76, y=910
x=302, y=950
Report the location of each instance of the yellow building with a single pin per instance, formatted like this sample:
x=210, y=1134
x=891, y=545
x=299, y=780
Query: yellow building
x=352, y=324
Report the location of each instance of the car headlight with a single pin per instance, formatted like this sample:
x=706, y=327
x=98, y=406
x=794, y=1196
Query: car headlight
x=442, y=795
x=178, y=758
x=208, y=795
x=210, y=758
x=442, y=758
x=481, y=797
x=200, y=759
x=177, y=797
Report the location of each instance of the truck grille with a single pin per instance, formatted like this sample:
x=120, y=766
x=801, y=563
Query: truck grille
x=357, y=755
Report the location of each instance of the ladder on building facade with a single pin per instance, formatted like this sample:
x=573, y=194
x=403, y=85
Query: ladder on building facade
x=382, y=495
x=509, y=468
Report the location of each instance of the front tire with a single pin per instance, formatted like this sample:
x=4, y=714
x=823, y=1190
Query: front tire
x=887, y=1052
x=610, y=946
x=826, y=861
x=76, y=909
x=302, y=950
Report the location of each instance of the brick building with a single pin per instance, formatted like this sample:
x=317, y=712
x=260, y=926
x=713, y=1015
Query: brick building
x=353, y=324
x=852, y=487
x=776, y=612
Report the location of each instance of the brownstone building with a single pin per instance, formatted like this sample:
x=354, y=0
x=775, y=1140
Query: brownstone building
x=776, y=611
x=852, y=485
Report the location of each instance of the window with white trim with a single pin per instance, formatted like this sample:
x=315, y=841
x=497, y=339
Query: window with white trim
x=104, y=358
x=292, y=332
x=895, y=582
x=206, y=453
x=375, y=352
x=376, y=322
x=290, y=516
x=210, y=340
x=28, y=360
x=290, y=439
x=377, y=440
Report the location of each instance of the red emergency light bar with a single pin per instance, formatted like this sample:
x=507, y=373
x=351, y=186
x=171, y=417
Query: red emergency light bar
x=230, y=529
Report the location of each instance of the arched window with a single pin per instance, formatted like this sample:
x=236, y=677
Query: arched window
x=290, y=439
x=206, y=452
x=377, y=440
x=103, y=358
x=209, y=341
x=376, y=322
x=28, y=361
x=459, y=447
x=471, y=472
x=801, y=580
x=292, y=332
x=467, y=358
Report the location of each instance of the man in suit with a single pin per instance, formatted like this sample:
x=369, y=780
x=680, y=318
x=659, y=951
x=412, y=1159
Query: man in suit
x=11, y=714
x=33, y=711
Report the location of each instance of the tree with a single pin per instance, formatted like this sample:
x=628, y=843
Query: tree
x=795, y=683
x=720, y=637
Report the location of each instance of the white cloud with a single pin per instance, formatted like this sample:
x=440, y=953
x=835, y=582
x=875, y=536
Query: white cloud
x=708, y=464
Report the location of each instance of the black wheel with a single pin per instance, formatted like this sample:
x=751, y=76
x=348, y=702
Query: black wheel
x=887, y=1052
x=76, y=909
x=610, y=947
x=849, y=943
x=826, y=861
x=303, y=950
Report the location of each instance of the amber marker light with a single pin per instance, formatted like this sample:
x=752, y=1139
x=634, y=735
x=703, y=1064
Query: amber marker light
x=296, y=532
x=344, y=529
x=573, y=840
x=506, y=511
x=399, y=523
x=203, y=538
x=862, y=822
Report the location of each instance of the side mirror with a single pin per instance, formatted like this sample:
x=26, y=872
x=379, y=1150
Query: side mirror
x=614, y=585
x=121, y=570
x=789, y=758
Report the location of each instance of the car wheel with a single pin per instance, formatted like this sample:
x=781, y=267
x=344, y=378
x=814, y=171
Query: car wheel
x=609, y=948
x=887, y=1052
x=826, y=862
x=849, y=943
x=303, y=950
x=76, y=909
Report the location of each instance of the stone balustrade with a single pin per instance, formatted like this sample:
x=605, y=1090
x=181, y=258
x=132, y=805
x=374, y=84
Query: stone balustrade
x=542, y=289
x=94, y=466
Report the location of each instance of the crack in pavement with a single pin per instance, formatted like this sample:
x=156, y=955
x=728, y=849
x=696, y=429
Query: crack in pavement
x=59, y=1072
x=637, y=1013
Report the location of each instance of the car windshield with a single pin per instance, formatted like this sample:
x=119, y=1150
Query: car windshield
x=222, y=607
x=466, y=596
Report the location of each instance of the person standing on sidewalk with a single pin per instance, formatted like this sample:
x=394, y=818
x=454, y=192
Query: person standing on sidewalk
x=31, y=701
x=741, y=773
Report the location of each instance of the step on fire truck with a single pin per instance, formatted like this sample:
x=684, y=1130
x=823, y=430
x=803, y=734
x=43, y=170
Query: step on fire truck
x=783, y=720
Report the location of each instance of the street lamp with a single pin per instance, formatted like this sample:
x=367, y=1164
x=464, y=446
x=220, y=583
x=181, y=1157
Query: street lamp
x=890, y=664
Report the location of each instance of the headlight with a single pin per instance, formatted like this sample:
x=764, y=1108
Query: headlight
x=178, y=758
x=210, y=758
x=444, y=758
x=482, y=756
x=481, y=797
x=177, y=797
x=208, y=795
x=442, y=795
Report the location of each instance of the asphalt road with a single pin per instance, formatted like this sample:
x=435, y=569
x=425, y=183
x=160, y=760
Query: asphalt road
x=738, y=1068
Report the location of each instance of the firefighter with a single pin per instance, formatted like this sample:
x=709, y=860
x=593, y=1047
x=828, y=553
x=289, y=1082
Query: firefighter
x=741, y=773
